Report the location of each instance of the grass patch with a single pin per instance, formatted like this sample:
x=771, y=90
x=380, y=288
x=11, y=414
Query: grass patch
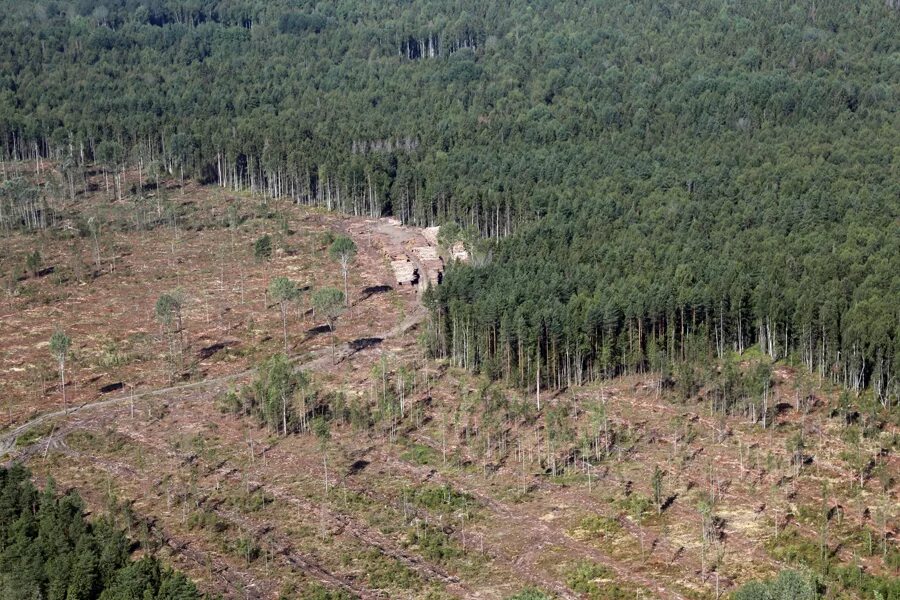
x=34, y=434
x=596, y=582
x=108, y=441
x=250, y=502
x=793, y=548
x=209, y=521
x=433, y=544
x=597, y=527
x=531, y=594
x=638, y=506
x=244, y=547
x=318, y=591
x=384, y=573
x=442, y=499
x=421, y=455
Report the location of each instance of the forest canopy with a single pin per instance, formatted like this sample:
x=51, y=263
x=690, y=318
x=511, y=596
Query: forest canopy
x=48, y=549
x=659, y=179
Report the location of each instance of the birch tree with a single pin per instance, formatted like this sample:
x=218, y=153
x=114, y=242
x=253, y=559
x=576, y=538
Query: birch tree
x=329, y=302
x=282, y=290
x=60, y=343
x=343, y=250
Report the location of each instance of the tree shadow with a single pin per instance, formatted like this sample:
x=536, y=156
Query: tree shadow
x=209, y=351
x=357, y=466
x=364, y=343
x=370, y=291
x=668, y=502
x=112, y=387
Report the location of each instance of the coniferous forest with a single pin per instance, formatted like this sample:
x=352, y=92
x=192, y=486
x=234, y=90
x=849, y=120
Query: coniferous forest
x=641, y=184
x=49, y=550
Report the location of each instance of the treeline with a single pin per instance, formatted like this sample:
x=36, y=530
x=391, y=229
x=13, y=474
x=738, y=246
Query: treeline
x=723, y=173
x=49, y=550
x=656, y=278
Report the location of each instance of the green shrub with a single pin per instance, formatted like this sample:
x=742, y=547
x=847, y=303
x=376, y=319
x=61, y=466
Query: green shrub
x=596, y=582
x=262, y=248
x=789, y=585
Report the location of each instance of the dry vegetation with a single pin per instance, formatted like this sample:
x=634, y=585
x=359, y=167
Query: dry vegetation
x=469, y=491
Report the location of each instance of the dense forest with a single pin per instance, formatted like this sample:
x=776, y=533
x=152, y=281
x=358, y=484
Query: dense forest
x=648, y=182
x=49, y=550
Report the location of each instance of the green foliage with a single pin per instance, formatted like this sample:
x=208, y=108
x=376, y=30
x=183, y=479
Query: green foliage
x=656, y=485
x=168, y=307
x=282, y=290
x=441, y=498
x=49, y=550
x=60, y=343
x=342, y=249
x=794, y=548
x=208, y=520
x=530, y=594
x=33, y=263
x=34, y=434
x=22, y=207
x=599, y=526
x=276, y=397
x=262, y=248
x=596, y=582
x=245, y=547
x=321, y=430
x=383, y=572
x=328, y=302
x=789, y=585
x=317, y=591
x=636, y=505
x=433, y=543
x=449, y=234
x=421, y=454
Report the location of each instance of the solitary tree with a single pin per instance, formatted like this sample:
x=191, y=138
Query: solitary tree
x=33, y=263
x=656, y=484
x=329, y=302
x=343, y=250
x=283, y=290
x=59, y=347
x=94, y=227
x=168, y=313
x=323, y=433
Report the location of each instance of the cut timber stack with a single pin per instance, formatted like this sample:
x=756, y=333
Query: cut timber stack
x=426, y=253
x=411, y=252
x=404, y=270
x=431, y=264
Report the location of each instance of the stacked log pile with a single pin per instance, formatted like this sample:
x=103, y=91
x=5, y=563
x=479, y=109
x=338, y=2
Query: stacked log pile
x=404, y=270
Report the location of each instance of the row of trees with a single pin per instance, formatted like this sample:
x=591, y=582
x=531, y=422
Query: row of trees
x=559, y=306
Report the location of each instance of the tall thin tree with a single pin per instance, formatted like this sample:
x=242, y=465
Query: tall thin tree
x=343, y=250
x=282, y=290
x=60, y=343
